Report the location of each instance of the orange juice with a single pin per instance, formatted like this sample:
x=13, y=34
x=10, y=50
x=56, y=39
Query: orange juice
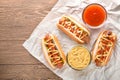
x=94, y=15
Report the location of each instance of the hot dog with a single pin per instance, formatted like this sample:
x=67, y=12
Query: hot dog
x=103, y=47
x=53, y=51
x=74, y=29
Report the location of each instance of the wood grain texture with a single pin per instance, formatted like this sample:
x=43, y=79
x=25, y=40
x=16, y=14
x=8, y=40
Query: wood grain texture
x=18, y=18
x=26, y=72
x=12, y=52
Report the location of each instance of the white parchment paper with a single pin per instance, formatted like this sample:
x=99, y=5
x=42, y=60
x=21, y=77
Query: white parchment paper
x=75, y=8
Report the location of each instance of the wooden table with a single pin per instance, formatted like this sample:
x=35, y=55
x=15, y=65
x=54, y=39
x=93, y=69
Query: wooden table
x=18, y=18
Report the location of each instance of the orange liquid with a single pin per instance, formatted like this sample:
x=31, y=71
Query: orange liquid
x=94, y=15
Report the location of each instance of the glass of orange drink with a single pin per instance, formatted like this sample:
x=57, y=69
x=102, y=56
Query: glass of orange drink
x=94, y=15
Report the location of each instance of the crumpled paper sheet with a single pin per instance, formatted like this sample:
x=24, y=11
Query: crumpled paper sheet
x=75, y=8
